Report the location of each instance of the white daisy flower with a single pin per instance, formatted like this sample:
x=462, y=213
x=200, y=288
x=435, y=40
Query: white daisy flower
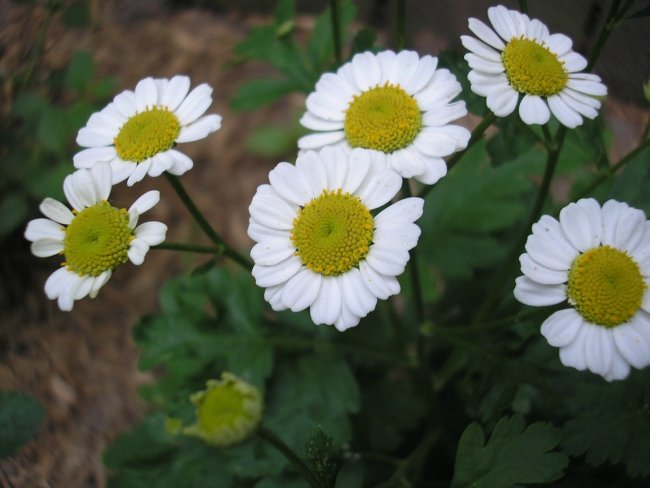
x=397, y=104
x=599, y=260
x=319, y=245
x=523, y=57
x=138, y=131
x=94, y=237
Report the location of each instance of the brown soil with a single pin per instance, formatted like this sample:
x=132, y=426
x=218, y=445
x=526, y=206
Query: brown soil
x=83, y=365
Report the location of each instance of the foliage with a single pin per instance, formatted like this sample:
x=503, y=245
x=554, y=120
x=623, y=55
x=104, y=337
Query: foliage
x=20, y=418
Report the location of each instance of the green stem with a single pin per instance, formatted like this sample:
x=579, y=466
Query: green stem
x=178, y=187
x=610, y=22
x=555, y=147
x=646, y=130
x=336, y=31
x=413, y=268
x=272, y=438
x=401, y=25
x=612, y=170
x=523, y=6
x=477, y=134
x=179, y=246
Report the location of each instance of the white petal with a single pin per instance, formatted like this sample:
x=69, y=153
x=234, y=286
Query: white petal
x=79, y=189
x=146, y=94
x=152, y=233
x=137, y=251
x=88, y=157
x=619, y=369
x=503, y=102
x=121, y=170
x=387, y=260
x=84, y=286
x=200, y=128
x=408, y=162
x=480, y=49
x=406, y=210
x=632, y=345
x=434, y=169
x=573, y=355
x=577, y=227
x=611, y=213
x=266, y=276
x=483, y=65
x=38, y=229
x=561, y=328
x=175, y=92
x=146, y=202
x=301, y=290
x=404, y=236
x=591, y=86
x=313, y=122
x=272, y=211
x=195, y=104
x=327, y=306
x=629, y=229
x=325, y=107
x=445, y=114
x=535, y=294
x=140, y=171
x=380, y=285
x=44, y=248
x=273, y=295
x=272, y=251
x=259, y=232
x=290, y=184
x=91, y=138
x=366, y=71
x=541, y=274
x=101, y=175
x=125, y=104
x=160, y=163
x=311, y=168
x=359, y=162
x=559, y=44
x=503, y=22
x=379, y=190
x=356, y=296
x=598, y=349
x=182, y=163
x=403, y=68
x=100, y=281
x=422, y=76
x=583, y=109
x=533, y=110
x=315, y=141
x=485, y=34
x=573, y=62
x=56, y=211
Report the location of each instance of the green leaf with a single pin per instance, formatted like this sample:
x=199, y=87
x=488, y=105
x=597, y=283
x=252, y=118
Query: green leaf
x=21, y=416
x=257, y=93
x=53, y=130
x=273, y=141
x=14, y=208
x=76, y=14
x=466, y=209
x=324, y=460
x=320, y=48
x=364, y=40
x=513, y=455
x=611, y=423
x=80, y=72
x=631, y=186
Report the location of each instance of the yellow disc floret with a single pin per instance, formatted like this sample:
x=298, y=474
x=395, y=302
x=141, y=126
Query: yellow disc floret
x=333, y=232
x=384, y=118
x=605, y=286
x=97, y=240
x=533, y=69
x=227, y=411
x=146, y=134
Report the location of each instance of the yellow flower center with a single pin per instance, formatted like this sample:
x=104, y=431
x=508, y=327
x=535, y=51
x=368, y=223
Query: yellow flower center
x=605, y=286
x=384, y=118
x=97, y=240
x=227, y=411
x=146, y=134
x=533, y=69
x=333, y=232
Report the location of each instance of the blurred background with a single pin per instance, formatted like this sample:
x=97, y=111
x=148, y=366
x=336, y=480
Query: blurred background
x=62, y=60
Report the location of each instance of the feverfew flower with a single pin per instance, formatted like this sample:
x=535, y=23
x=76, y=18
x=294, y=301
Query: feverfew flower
x=138, y=131
x=522, y=57
x=94, y=237
x=319, y=245
x=227, y=412
x=396, y=104
x=599, y=260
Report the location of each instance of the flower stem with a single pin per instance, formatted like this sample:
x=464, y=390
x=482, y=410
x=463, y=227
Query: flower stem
x=179, y=246
x=413, y=268
x=554, y=149
x=523, y=6
x=612, y=170
x=273, y=439
x=610, y=21
x=178, y=187
x=477, y=134
x=401, y=25
x=336, y=30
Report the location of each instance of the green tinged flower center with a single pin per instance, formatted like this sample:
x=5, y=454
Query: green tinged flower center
x=605, y=286
x=97, y=240
x=333, y=232
x=220, y=407
x=384, y=118
x=146, y=134
x=533, y=69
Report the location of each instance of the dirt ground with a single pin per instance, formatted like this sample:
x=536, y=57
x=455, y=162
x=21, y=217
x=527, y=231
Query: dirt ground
x=83, y=365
